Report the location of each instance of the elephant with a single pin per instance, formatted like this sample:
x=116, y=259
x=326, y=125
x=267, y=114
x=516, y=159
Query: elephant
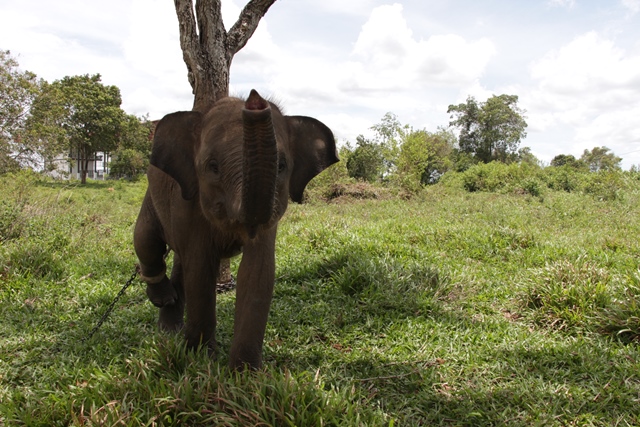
x=219, y=182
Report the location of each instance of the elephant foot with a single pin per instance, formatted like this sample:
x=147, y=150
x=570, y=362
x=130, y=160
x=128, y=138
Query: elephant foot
x=162, y=294
x=195, y=343
x=246, y=358
x=171, y=318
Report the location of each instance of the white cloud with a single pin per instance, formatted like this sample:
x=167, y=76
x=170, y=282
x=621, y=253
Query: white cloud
x=562, y=3
x=593, y=86
x=391, y=58
x=588, y=74
x=632, y=5
x=387, y=69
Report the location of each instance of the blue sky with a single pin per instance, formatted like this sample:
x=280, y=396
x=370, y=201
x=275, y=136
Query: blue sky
x=574, y=64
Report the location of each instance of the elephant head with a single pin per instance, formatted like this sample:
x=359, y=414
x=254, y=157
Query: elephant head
x=243, y=160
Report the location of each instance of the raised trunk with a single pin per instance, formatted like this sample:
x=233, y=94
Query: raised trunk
x=260, y=163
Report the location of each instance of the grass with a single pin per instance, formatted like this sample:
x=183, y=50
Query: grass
x=452, y=309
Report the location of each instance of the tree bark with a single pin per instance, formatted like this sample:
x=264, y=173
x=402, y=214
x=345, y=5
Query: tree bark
x=84, y=165
x=208, y=49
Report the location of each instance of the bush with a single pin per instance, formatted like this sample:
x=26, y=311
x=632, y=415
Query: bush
x=129, y=163
x=564, y=178
x=504, y=178
x=605, y=185
x=366, y=162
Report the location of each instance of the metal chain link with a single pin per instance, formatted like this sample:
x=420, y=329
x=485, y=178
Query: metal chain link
x=111, y=306
x=220, y=288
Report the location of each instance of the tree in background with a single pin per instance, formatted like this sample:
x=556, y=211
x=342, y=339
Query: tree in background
x=491, y=130
x=600, y=159
x=78, y=115
x=366, y=161
x=524, y=155
x=131, y=159
x=17, y=91
x=423, y=157
x=566, y=160
x=389, y=134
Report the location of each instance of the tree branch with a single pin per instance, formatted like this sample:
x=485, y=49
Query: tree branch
x=246, y=24
x=188, y=38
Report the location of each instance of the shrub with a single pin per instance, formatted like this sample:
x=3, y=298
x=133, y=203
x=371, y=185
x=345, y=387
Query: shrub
x=605, y=185
x=564, y=178
x=501, y=177
x=366, y=162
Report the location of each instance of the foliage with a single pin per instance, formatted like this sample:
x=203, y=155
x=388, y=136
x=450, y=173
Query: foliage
x=78, y=115
x=527, y=178
x=131, y=159
x=566, y=160
x=128, y=163
x=499, y=177
x=491, y=130
x=564, y=178
x=423, y=158
x=452, y=308
x=390, y=135
x=17, y=91
x=525, y=155
x=600, y=159
x=366, y=162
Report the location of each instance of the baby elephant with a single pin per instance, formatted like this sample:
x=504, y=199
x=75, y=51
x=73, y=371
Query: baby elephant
x=219, y=182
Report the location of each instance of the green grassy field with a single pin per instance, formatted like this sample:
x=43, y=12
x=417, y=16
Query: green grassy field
x=452, y=308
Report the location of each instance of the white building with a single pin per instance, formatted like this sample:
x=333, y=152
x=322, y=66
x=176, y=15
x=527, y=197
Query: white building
x=70, y=167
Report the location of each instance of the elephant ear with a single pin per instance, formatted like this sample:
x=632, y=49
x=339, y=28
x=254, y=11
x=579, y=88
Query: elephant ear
x=174, y=148
x=314, y=149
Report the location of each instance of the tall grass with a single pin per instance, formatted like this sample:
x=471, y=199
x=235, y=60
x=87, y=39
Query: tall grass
x=479, y=308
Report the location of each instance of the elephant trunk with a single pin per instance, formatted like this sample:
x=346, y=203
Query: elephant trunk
x=260, y=168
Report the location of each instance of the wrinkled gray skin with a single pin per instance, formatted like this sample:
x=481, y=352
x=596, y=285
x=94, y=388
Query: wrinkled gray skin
x=219, y=183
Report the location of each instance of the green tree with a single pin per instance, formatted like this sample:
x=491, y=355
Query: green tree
x=131, y=159
x=79, y=115
x=424, y=156
x=491, y=130
x=17, y=92
x=565, y=159
x=524, y=155
x=600, y=159
x=128, y=163
x=389, y=134
x=366, y=162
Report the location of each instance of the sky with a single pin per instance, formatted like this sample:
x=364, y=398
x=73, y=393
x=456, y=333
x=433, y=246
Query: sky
x=574, y=64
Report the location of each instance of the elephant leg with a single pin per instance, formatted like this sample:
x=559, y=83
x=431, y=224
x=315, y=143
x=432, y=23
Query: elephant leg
x=172, y=316
x=254, y=290
x=199, y=278
x=150, y=249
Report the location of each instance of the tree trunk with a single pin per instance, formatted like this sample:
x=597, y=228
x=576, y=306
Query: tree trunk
x=84, y=165
x=208, y=49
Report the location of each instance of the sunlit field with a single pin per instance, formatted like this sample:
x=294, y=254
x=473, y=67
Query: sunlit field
x=506, y=304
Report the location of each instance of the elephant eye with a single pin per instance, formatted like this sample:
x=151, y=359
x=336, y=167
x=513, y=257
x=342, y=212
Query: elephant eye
x=282, y=164
x=212, y=166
